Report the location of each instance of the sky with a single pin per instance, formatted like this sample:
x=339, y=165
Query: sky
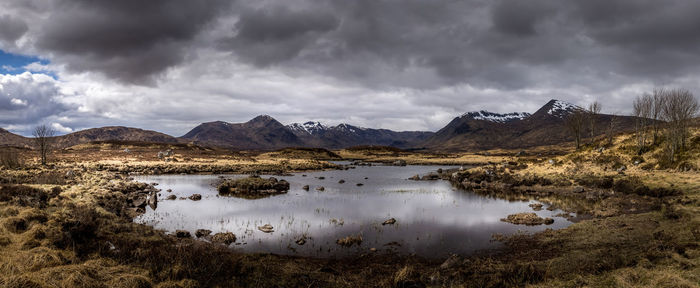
x=168, y=65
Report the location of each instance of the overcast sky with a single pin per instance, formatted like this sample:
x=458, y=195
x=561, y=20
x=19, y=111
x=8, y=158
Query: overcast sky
x=169, y=65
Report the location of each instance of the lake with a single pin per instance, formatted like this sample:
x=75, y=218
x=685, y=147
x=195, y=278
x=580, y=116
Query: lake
x=433, y=219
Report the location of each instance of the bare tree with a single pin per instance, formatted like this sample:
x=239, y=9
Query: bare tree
x=43, y=137
x=575, y=122
x=658, y=99
x=642, y=111
x=610, y=132
x=593, y=112
x=680, y=106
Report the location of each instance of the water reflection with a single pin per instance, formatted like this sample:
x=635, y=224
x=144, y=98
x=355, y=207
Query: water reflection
x=433, y=218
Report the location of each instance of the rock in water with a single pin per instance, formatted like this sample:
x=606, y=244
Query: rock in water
x=195, y=197
x=224, y=238
x=529, y=219
x=182, y=234
x=253, y=187
x=267, y=228
x=202, y=233
x=390, y=221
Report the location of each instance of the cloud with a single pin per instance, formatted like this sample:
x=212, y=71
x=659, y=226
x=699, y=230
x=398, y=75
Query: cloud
x=130, y=41
x=405, y=65
x=28, y=99
x=11, y=28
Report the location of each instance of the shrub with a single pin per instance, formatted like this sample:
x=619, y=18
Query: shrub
x=9, y=158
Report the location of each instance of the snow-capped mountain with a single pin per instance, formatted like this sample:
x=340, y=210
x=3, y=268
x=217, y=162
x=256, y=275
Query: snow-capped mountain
x=560, y=108
x=495, y=117
x=310, y=127
x=487, y=130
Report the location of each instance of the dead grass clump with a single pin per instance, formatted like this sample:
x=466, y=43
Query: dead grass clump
x=37, y=258
x=634, y=185
x=350, y=240
x=78, y=231
x=185, y=283
x=130, y=281
x=4, y=241
x=590, y=180
x=22, y=195
x=529, y=219
x=407, y=277
x=9, y=158
x=15, y=224
x=20, y=281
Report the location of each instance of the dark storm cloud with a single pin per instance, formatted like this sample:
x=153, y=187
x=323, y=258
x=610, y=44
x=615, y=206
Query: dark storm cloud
x=130, y=40
x=11, y=28
x=399, y=57
x=276, y=34
x=483, y=43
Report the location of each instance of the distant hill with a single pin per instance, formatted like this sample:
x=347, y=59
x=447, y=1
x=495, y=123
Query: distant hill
x=472, y=131
x=266, y=133
x=260, y=133
x=344, y=135
x=111, y=133
x=91, y=135
x=486, y=130
x=8, y=138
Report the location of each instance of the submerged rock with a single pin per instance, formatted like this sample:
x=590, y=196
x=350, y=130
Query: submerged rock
x=536, y=206
x=414, y=177
x=390, y=221
x=321, y=188
x=306, y=187
x=341, y=181
x=267, y=228
x=301, y=240
x=349, y=241
x=529, y=219
x=253, y=187
x=195, y=197
x=171, y=197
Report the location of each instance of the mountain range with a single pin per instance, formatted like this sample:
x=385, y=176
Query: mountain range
x=477, y=130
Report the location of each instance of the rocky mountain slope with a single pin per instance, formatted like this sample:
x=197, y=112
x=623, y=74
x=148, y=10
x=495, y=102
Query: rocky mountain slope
x=486, y=130
x=264, y=132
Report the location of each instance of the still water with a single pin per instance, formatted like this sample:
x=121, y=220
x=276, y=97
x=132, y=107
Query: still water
x=433, y=219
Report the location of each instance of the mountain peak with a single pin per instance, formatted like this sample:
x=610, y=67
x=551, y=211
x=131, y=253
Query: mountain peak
x=557, y=108
x=495, y=117
x=262, y=118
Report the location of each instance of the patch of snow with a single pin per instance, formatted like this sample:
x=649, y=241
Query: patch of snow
x=308, y=127
x=495, y=117
x=560, y=108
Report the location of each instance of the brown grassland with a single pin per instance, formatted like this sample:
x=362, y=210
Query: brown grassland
x=639, y=226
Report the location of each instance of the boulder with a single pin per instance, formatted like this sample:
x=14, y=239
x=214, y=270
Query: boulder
x=225, y=238
x=306, y=187
x=202, y=233
x=267, y=228
x=390, y=221
x=183, y=234
x=171, y=197
x=195, y=197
